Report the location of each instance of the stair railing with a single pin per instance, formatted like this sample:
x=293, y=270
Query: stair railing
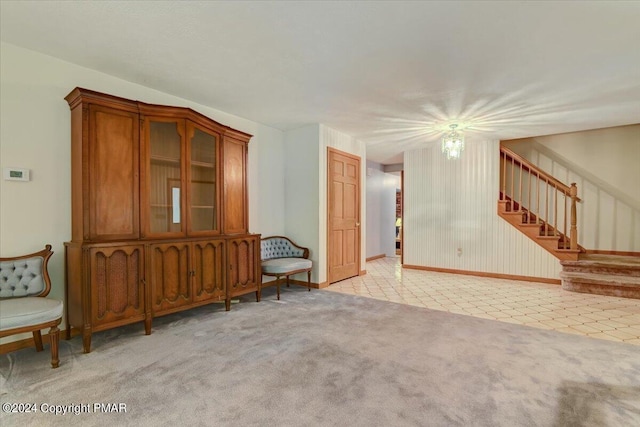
x=541, y=198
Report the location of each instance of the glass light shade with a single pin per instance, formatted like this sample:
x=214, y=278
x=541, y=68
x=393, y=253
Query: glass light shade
x=453, y=143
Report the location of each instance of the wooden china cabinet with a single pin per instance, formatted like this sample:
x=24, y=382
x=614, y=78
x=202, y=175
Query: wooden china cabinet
x=159, y=213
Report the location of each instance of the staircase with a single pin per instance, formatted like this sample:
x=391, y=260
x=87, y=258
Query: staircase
x=539, y=231
x=544, y=209
x=538, y=205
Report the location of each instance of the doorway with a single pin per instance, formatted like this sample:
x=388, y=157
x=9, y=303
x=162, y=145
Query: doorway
x=343, y=216
x=399, y=217
x=398, y=221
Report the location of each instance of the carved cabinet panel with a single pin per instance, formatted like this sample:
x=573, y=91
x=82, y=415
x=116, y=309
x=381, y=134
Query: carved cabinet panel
x=170, y=276
x=208, y=270
x=243, y=265
x=184, y=273
x=116, y=283
x=105, y=287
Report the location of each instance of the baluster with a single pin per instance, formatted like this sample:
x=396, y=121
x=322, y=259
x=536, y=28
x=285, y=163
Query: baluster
x=503, y=194
x=513, y=192
x=520, y=190
x=529, y=199
x=565, y=235
x=538, y=198
x=546, y=207
x=555, y=211
x=573, y=239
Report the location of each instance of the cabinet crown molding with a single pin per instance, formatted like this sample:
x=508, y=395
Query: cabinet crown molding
x=80, y=95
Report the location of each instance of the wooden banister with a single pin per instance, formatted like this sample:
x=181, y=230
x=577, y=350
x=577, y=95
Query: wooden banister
x=530, y=167
x=555, y=209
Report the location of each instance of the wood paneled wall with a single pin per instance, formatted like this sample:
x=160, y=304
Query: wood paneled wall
x=450, y=218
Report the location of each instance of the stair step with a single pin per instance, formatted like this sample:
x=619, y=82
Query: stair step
x=514, y=213
x=602, y=274
x=543, y=234
x=612, y=279
x=601, y=284
x=604, y=264
x=612, y=259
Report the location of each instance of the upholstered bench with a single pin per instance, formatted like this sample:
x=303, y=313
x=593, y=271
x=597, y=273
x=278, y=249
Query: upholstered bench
x=24, y=280
x=283, y=258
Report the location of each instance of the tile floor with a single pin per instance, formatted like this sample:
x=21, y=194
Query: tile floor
x=533, y=304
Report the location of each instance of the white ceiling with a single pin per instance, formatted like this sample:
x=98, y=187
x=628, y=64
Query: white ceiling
x=392, y=74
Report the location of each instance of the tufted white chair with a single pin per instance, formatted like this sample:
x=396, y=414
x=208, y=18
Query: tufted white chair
x=24, y=281
x=282, y=258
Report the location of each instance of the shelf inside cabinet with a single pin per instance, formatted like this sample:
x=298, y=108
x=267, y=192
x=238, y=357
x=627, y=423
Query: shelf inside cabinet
x=203, y=164
x=164, y=160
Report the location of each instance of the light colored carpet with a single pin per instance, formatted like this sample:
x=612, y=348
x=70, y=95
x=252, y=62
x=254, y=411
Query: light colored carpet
x=328, y=359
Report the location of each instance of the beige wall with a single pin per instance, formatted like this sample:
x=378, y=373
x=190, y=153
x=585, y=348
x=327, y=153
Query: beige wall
x=302, y=189
x=306, y=190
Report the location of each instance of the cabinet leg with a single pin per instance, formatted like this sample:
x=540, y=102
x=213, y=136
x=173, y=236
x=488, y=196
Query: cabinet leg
x=54, y=336
x=147, y=326
x=67, y=332
x=86, y=341
x=258, y=295
x=227, y=304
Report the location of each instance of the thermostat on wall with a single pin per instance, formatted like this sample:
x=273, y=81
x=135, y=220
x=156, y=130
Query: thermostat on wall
x=15, y=174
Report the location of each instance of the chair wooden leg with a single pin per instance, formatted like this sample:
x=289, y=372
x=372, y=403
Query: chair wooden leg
x=37, y=339
x=309, y=281
x=278, y=287
x=54, y=337
x=287, y=281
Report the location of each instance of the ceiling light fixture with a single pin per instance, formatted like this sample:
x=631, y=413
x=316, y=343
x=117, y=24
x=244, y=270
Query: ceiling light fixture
x=453, y=143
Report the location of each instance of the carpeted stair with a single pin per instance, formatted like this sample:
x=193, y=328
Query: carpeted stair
x=603, y=275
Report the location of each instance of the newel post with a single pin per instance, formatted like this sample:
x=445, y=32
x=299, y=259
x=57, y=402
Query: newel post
x=573, y=235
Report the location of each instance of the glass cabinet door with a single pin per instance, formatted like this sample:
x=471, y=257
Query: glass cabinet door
x=202, y=196
x=165, y=188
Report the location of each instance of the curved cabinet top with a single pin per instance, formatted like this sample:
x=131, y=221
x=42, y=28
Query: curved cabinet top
x=81, y=95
